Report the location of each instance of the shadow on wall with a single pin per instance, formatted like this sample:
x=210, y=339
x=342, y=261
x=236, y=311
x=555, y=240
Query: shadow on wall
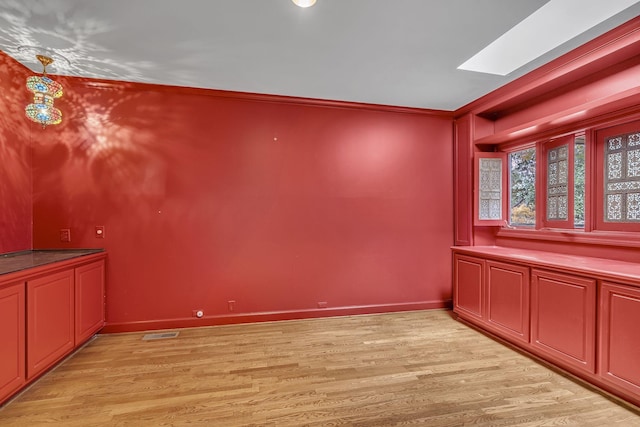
x=15, y=173
x=102, y=152
x=208, y=198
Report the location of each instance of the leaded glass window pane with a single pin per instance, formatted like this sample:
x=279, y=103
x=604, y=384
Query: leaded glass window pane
x=558, y=183
x=622, y=178
x=490, y=200
x=578, y=183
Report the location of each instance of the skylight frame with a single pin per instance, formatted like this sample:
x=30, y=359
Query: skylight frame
x=531, y=38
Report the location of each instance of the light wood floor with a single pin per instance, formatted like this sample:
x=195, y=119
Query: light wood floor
x=414, y=368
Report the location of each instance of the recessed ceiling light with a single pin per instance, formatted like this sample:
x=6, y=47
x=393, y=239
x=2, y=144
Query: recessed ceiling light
x=304, y=3
x=555, y=23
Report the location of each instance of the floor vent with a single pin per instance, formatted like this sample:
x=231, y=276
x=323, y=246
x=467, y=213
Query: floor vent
x=160, y=336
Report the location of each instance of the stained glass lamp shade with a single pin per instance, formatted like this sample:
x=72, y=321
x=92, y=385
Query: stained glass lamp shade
x=45, y=90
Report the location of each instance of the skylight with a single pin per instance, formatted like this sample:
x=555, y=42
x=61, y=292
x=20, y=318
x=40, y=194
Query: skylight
x=555, y=23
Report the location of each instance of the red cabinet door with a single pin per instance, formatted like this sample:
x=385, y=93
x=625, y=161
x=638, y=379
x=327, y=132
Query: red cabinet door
x=507, y=300
x=12, y=346
x=468, y=292
x=50, y=320
x=563, y=319
x=619, y=354
x=89, y=300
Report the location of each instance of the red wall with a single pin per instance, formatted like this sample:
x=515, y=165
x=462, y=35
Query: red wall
x=208, y=197
x=15, y=172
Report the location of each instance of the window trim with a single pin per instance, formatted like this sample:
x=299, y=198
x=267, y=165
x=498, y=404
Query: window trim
x=603, y=238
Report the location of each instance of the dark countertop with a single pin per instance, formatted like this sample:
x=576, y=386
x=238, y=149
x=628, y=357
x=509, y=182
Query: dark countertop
x=17, y=261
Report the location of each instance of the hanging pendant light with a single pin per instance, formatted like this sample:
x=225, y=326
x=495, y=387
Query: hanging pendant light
x=44, y=91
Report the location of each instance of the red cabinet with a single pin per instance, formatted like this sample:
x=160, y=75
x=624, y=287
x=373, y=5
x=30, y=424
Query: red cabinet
x=565, y=309
x=89, y=300
x=563, y=319
x=46, y=311
x=619, y=329
x=493, y=294
x=468, y=288
x=50, y=320
x=12, y=347
x=507, y=295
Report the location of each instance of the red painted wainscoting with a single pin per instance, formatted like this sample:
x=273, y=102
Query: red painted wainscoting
x=15, y=173
x=282, y=206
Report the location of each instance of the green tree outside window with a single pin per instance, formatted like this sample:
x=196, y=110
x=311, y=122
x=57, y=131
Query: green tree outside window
x=522, y=196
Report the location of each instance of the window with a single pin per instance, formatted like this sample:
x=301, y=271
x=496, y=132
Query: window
x=522, y=187
x=578, y=181
x=564, y=182
x=555, y=182
x=622, y=184
x=587, y=181
x=559, y=180
x=618, y=178
x=491, y=194
x=490, y=202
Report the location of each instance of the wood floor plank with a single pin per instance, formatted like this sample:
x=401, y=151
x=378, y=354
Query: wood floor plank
x=400, y=369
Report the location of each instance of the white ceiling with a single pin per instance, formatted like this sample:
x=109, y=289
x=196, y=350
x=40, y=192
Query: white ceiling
x=391, y=52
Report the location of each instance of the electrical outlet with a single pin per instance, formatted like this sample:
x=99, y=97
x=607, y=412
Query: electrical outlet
x=65, y=235
x=322, y=304
x=99, y=231
x=231, y=304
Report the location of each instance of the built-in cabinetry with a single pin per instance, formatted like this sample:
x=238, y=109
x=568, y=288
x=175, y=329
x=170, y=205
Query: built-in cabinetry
x=494, y=294
x=50, y=332
x=12, y=337
x=563, y=318
x=89, y=300
x=468, y=286
x=46, y=312
x=619, y=350
x=581, y=314
x=507, y=306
